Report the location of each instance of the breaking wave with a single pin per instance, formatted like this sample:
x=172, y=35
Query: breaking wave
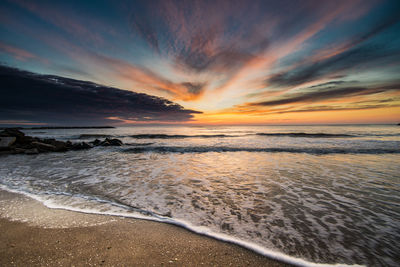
x=309, y=150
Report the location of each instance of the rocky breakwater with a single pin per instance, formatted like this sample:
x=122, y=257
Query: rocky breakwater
x=13, y=141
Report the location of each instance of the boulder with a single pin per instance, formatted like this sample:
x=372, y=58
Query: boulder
x=96, y=142
x=13, y=141
x=43, y=146
x=105, y=143
x=59, y=146
x=116, y=142
x=80, y=146
x=12, y=132
x=111, y=142
x=7, y=141
x=26, y=140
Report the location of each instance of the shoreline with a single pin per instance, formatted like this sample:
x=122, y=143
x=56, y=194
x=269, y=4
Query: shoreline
x=33, y=234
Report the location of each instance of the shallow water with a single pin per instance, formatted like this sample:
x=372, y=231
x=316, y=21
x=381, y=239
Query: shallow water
x=326, y=194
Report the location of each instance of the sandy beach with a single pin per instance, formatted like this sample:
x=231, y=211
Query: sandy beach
x=34, y=235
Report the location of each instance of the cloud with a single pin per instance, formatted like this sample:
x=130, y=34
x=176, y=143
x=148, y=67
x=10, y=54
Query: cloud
x=84, y=28
x=142, y=25
x=325, y=94
x=53, y=99
x=367, y=57
x=194, y=88
x=16, y=52
x=335, y=108
x=138, y=77
x=198, y=36
x=337, y=60
x=216, y=53
x=384, y=98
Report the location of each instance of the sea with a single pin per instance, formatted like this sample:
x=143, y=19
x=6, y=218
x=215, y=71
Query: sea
x=305, y=195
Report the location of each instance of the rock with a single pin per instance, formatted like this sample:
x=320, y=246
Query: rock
x=116, y=142
x=7, y=141
x=32, y=151
x=105, y=143
x=26, y=140
x=96, y=142
x=80, y=146
x=43, y=146
x=13, y=141
x=59, y=146
x=111, y=142
x=12, y=132
x=86, y=145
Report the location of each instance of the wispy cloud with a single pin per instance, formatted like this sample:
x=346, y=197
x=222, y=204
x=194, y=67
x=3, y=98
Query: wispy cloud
x=16, y=52
x=328, y=63
x=85, y=28
x=232, y=43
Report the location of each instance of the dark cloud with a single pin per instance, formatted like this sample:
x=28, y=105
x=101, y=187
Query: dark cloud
x=336, y=108
x=356, y=53
x=327, y=93
x=194, y=88
x=364, y=56
x=54, y=99
x=331, y=83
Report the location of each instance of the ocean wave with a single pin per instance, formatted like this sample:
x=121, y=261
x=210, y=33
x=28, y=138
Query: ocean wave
x=121, y=210
x=139, y=144
x=309, y=150
x=181, y=136
x=178, y=136
x=309, y=135
x=87, y=136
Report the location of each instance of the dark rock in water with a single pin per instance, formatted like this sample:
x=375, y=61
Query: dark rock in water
x=21, y=139
x=43, y=147
x=96, y=142
x=7, y=141
x=111, y=142
x=80, y=146
x=115, y=142
x=105, y=143
x=59, y=146
x=13, y=141
x=12, y=132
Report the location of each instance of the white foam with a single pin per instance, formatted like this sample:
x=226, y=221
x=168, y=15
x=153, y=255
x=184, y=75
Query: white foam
x=182, y=223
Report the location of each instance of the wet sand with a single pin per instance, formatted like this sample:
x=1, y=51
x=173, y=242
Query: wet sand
x=34, y=235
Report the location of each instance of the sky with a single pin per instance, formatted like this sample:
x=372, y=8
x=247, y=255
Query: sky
x=199, y=62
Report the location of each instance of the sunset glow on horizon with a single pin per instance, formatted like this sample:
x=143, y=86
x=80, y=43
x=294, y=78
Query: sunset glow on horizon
x=222, y=62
